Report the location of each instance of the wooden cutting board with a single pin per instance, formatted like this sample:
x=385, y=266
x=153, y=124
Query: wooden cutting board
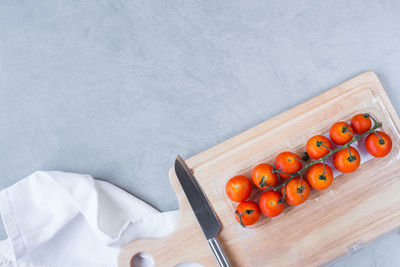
x=357, y=207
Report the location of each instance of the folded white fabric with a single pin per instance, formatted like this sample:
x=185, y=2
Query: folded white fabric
x=66, y=219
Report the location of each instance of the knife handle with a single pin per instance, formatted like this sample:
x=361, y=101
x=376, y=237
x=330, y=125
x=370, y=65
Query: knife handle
x=219, y=253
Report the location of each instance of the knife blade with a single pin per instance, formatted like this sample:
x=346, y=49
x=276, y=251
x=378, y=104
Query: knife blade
x=205, y=215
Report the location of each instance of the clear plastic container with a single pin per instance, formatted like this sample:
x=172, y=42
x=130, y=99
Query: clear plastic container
x=324, y=201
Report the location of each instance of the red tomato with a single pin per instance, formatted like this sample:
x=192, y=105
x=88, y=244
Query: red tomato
x=343, y=162
x=269, y=203
x=378, y=147
x=361, y=123
x=296, y=192
x=238, y=188
x=247, y=213
x=316, y=146
x=288, y=162
x=263, y=177
x=338, y=133
x=317, y=178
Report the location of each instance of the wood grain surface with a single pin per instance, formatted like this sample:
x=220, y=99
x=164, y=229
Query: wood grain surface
x=358, y=206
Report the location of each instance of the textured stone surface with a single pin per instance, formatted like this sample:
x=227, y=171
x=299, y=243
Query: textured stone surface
x=117, y=88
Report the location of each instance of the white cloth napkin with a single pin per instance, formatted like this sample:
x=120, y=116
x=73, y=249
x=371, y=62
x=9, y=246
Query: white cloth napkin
x=65, y=219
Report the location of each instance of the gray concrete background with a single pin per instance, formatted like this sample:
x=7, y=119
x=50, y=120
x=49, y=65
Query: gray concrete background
x=116, y=88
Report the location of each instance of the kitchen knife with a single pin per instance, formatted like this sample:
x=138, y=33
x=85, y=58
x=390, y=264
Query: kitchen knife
x=202, y=209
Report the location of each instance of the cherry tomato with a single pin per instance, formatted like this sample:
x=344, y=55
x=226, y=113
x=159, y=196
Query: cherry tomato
x=238, y=188
x=317, y=178
x=269, y=203
x=338, y=133
x=247, y=213
x=316, y=146
x=263, y=176
x=378, y=147
x=288, y=162
x=296, y=192
x=344, y=162
x=361, y=123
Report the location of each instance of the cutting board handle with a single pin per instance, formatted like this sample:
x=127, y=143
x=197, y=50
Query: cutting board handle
x=186, y=244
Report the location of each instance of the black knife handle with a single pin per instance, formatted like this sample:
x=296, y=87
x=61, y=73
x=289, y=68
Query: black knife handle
x=218, y=252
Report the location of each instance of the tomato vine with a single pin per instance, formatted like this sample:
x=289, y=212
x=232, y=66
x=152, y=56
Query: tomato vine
x=297, y=175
